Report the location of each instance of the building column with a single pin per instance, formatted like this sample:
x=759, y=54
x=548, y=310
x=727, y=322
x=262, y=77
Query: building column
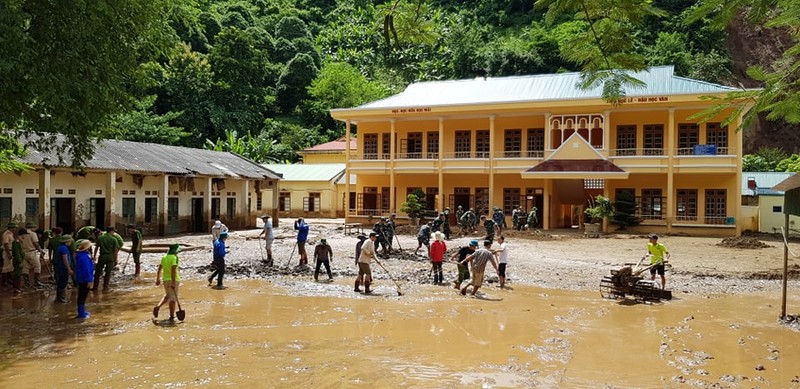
x=111, y=199
x=275, y=193
x=672, y=204
x=163, y=199
x=440, y=204
x=547, y=137
x=738, y=143
x=207, y=202
x=492, y=200
x=244, y=209
x=392, y=207
x=607, y=132
x=546, y=211
x=44, y=199
x=347, y=170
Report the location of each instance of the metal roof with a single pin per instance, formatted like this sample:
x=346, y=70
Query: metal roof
x=765, y=181
x=334, y=145
x=659, y=80
x=310, y=172
x=141, y=157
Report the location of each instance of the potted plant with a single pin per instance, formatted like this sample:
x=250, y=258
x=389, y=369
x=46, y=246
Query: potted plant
x=599, y=208
x=414, y=207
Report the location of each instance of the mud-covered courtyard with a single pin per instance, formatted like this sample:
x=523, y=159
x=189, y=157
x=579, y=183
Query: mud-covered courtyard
x=276, y=327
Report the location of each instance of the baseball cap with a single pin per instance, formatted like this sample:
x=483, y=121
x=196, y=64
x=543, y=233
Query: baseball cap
x=473, y=243
x=653, y=236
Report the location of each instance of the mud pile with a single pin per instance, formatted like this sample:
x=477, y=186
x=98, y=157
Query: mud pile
x=743, y=242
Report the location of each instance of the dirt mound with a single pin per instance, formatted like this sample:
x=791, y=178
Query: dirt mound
x=743, y=242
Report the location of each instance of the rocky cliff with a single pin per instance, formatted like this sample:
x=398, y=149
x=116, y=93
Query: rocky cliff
x=756, y=45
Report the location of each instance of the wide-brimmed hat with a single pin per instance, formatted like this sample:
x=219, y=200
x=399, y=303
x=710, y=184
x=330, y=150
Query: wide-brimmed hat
x=30, y=225
x=65, y=238
x=83, y=245
x=12, y=225
x=174, y=248
x=438, y=235
x=223, y=235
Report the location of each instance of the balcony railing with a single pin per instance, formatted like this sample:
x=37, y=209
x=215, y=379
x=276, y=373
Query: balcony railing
x=534, y=154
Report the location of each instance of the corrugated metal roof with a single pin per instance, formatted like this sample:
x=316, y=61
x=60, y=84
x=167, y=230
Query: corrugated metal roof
x=334, y=145
x=764, y=182
x=660, y=80
x=156, y=158
x=310, y=172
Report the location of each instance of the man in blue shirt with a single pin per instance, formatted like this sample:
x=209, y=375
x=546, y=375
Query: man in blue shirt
x=302, y=235
x=219, y=260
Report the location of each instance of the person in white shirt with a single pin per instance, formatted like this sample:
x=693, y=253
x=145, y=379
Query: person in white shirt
x=217, y=229
x=269, y=237
x=502, y=254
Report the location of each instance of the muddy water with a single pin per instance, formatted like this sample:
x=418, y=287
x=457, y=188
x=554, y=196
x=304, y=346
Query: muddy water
x=254, y=334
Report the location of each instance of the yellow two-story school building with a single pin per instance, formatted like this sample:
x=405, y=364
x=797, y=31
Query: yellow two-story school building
x=541, y=141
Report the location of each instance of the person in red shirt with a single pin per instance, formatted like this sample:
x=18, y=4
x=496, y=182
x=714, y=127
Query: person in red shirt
x=438, y=248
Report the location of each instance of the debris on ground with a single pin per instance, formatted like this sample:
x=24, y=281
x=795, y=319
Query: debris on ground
x=743, y=242
x=792, y=321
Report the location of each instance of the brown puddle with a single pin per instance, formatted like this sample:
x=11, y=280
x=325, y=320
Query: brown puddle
x=253, y=334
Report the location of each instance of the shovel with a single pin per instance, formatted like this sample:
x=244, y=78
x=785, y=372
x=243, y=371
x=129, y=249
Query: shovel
x=181, y=314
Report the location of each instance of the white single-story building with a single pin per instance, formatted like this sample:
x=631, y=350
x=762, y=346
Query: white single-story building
x=309, y=190
x=161, y=189
x=757, y=194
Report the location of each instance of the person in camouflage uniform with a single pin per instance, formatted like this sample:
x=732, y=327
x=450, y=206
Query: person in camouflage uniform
x=108, y=245
x=490, y=227
x=532, y=220
x=380, y=229
x=446, y=225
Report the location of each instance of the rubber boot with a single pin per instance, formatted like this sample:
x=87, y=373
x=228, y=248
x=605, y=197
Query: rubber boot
x=36, y=281
x=366, y=287
x=82, y=314
x=356, y=289
x=138, y=269
x=61, y=296
x=106, y=281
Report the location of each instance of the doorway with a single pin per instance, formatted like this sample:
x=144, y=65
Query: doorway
x=62, y=214
x=198, y=219
x=97, y=212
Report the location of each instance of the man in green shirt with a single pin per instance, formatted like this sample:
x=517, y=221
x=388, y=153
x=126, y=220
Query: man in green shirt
x=136, y=247
x=168, y=272
x=658, y=252
x=108, y=245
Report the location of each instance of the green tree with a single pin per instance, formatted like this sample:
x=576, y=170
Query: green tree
x=339, y=85
x=607, y=45
x=670, y=48
x=779, y=98
x=291, y=28
x=187, y=88
x=755, y=163
x=241, y=71
x=293, y=81
x=790, y=164
x=142, y=124
x=63, y=72
x=256, y=149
